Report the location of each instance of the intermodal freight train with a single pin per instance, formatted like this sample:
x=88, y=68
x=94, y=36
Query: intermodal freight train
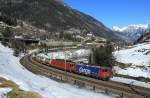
x=99, y=72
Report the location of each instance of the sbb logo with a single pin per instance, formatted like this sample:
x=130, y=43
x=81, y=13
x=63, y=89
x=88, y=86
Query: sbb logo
x=83, y=70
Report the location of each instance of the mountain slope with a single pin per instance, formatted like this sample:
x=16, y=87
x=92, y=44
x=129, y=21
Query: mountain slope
x=144, y=38
x=133, y=31
x=53, y=16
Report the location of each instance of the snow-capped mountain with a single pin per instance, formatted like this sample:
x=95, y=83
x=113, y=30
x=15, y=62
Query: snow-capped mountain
x=133, y=31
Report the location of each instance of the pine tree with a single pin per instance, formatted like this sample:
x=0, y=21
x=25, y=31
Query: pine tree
x=102, y=56
x=16, y=52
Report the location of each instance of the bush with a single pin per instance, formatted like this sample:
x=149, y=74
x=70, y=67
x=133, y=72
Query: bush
x=7, y=32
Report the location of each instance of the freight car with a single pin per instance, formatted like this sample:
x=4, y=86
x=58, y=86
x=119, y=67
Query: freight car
x=99, y=72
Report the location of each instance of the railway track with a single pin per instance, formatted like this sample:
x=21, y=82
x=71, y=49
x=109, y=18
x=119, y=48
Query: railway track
x=109, y=87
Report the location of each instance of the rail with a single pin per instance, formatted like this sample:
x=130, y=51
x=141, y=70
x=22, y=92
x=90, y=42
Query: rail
x=109, y=87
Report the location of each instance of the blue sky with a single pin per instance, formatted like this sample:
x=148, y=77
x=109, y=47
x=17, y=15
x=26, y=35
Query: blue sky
x=115, y=12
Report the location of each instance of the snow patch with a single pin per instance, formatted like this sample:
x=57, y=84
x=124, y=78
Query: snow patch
x=4, y=91
x=134, y=55
x=131, y=82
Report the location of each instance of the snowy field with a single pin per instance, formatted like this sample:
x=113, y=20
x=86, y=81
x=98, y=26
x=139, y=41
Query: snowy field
x=139, y=59
x=10, y=68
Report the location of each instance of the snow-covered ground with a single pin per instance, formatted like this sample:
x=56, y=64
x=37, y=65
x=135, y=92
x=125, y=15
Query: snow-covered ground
x=139, y=59
x=4, y=91
x=131, y=82
x=77, y=55
x=10, y=68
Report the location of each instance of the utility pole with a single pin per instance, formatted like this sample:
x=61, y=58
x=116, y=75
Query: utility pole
x=65, y=64
x=65, y=60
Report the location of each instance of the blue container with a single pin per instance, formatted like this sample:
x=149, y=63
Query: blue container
x=87, y=69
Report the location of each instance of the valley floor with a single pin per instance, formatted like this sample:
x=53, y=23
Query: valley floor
x=11, y=69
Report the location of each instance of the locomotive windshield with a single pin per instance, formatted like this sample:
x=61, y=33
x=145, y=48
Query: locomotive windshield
x=104, y=69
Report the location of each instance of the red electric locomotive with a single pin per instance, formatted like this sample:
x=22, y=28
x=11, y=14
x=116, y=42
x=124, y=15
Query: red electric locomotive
x=104, y=72
x=60, y=64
